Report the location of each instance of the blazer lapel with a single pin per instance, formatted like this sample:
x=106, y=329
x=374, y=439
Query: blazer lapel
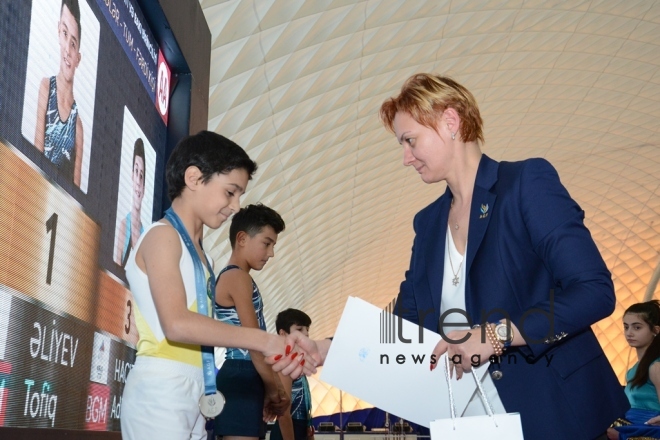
x=483, y=203
x=437, y=233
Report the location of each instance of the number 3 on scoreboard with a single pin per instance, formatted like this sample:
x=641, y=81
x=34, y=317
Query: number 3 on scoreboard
x=127, y=327
x=51, y=227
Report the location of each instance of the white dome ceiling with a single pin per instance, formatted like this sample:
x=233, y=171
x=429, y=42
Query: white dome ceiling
x=298, y=84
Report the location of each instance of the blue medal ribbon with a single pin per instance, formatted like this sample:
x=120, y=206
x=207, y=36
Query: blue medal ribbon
x=204, y=288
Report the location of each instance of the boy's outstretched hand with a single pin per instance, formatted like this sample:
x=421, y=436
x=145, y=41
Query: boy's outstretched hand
x=303, y=355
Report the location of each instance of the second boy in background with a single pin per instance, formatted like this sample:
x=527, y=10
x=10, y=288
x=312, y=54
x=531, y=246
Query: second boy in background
x=248, y=384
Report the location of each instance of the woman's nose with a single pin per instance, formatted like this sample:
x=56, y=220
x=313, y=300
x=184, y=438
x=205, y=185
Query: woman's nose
x=408, y=157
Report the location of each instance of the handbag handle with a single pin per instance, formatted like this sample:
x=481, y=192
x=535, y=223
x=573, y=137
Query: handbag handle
x=482, y=394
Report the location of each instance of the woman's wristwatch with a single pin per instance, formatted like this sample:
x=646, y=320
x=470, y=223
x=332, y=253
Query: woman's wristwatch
x=500, y=335
x=504, y=333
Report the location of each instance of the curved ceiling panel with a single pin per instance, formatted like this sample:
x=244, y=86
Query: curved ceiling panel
x=298, y=84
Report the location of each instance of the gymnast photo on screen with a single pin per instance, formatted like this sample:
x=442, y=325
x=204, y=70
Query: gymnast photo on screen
x=59, y=130
x=131, y=226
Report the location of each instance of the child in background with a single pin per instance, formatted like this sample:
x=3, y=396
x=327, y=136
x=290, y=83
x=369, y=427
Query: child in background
x=172, y=281
x=59, y=130
x=641, y=325
x=131, y=226
x=250, y=386
x=295, y=424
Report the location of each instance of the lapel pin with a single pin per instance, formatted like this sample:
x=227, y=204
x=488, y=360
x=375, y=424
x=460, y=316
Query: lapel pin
x=484, y=211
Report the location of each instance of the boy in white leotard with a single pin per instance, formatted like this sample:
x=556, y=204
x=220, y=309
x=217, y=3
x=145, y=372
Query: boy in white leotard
x=206, y=175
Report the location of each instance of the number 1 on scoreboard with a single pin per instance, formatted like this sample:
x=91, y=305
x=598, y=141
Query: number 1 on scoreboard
x=51, y=226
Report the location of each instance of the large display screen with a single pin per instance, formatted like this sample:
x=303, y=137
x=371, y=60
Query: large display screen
x=83, y=111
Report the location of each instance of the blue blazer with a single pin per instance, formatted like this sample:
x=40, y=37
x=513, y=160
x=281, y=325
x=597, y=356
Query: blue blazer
x=529, y=256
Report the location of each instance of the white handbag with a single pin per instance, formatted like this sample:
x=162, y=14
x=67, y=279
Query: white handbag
x=491, y=427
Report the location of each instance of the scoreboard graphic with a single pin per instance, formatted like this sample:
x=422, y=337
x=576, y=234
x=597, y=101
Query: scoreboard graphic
x=83, y=134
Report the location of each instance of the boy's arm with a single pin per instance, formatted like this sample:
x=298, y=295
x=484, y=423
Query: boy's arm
x=285, y=420
x=121, y=237
x=238, y=285
x=278, y=405
x=42, y=104
x=158, y=257
x=77, y=168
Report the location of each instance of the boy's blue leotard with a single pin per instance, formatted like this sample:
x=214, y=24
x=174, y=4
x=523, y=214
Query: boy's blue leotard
x=60, y=136
x=127, y=240
x=230, y=316
x=238, y=379
x=301, y=401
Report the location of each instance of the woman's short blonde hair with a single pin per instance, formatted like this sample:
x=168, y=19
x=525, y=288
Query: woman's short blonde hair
x=425, y=97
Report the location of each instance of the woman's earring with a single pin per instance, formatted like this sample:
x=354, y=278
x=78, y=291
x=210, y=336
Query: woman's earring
x=453, y=136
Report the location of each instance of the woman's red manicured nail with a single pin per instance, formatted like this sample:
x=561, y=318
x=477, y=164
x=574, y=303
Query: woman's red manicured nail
x=288, y=350
x=278, y=357
x=293, y=356
x=302, y=363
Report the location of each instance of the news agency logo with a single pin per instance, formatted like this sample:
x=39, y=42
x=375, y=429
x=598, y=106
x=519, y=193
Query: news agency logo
x=391, y=332
x=391, y=323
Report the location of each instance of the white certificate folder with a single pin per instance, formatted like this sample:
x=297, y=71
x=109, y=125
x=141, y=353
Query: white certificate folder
x=382, y=359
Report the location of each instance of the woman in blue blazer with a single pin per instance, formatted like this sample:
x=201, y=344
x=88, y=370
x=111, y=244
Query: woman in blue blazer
x=505, y=247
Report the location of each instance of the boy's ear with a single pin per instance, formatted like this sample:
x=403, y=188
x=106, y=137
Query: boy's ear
x=241, y=236
x=281, y=332
x=192, y=177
